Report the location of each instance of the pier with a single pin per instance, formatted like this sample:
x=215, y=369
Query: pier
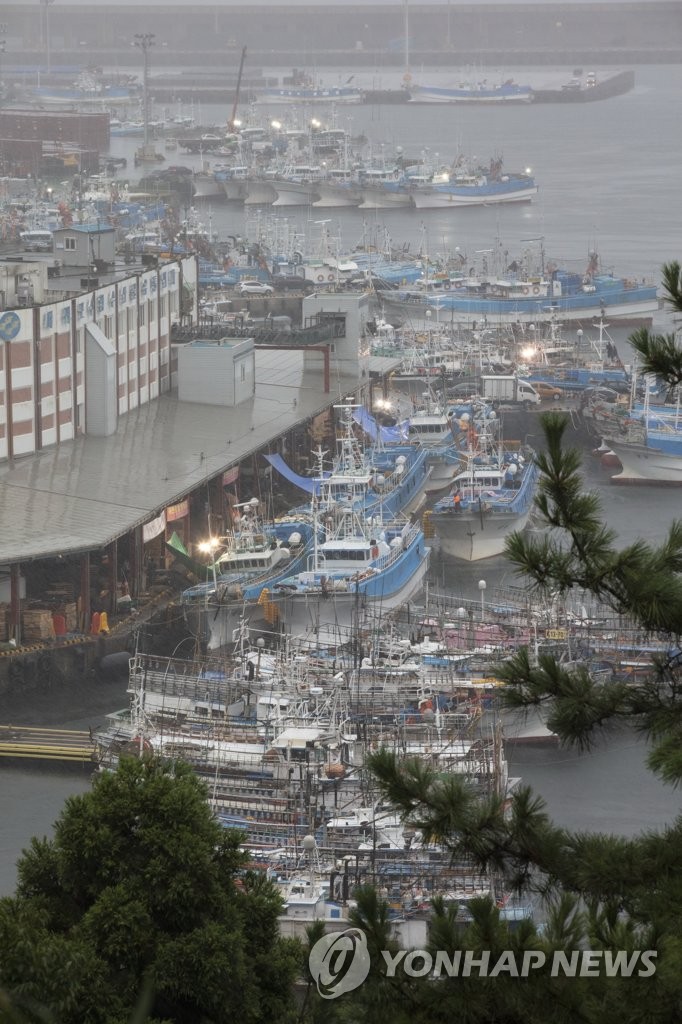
x=28, y=743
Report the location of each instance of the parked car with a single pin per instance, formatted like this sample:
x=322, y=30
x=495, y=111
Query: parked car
x=285, y=283
x=546, y=390
x=254, y=288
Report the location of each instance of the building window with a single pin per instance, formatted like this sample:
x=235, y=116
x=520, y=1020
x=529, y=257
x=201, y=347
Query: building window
x=140, y=316
x=162, y=306
x=243, y=372
x=70, y=242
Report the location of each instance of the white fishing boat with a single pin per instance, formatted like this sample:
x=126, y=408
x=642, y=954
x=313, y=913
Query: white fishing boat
x=475, y=190
x=481, y=91
x=363, y=554
x=492, y=497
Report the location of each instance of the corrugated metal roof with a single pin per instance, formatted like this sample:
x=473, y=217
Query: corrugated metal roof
x=84, y=494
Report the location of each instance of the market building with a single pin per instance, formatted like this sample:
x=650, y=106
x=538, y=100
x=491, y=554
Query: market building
x=110, y=447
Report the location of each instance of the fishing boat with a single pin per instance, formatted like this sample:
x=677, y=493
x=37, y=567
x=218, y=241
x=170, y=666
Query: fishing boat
x=464, y=185
x=88, y=88
x=472, y=92
x=359, y=563
x=589, y=361
x=530, y=288
x=387, y=478
x=644, y=435
x=363, y=487
x=253, y=556
x=490, y=498
x=430, y=428
x=309, y=94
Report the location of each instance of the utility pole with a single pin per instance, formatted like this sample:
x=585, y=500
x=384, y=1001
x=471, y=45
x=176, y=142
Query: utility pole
x=3, y=45
x=48, y=59
x=144, y=41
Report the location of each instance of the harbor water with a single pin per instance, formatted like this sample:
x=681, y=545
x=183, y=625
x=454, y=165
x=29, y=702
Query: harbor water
x=609, y=181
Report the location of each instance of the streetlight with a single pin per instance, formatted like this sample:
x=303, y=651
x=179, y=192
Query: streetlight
x=144, y=41
x=3, y=45
x=481, y=586
x=46, y=4
x=210, y=547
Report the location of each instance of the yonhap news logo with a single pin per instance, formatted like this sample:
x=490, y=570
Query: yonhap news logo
x=340, y=963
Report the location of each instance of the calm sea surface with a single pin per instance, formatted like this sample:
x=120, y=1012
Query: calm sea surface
x=609, y=180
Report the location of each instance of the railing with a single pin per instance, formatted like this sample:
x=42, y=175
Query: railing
x=262, y=333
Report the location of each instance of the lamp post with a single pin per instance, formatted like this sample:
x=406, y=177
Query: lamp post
x=481, y=586
x=3, y=45
x=46, y=4
x=144, y=41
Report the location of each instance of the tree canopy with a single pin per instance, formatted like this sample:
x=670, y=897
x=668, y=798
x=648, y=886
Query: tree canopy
x=140, y=909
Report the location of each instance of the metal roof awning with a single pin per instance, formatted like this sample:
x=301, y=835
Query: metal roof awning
x=84, y=494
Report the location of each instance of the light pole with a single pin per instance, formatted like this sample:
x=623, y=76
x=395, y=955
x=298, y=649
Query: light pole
x=144, y=41
x=48, y=61
x=3, y=44
x=481, y=586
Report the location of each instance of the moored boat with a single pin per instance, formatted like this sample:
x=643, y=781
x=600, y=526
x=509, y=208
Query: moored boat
x=492, y=497
x=309, y=94
x=505, y=291
x=472, y=92
x=474, y=190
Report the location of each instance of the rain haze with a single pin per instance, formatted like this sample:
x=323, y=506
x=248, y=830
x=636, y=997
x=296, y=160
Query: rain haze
x=171, y=89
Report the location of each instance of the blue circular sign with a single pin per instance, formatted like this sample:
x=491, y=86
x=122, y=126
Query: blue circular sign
x=10, y=325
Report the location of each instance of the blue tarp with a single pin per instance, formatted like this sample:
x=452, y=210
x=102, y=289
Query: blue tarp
x=306, y=483
x=389, y=435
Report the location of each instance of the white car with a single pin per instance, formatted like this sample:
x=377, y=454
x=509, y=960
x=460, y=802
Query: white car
x=254, y=288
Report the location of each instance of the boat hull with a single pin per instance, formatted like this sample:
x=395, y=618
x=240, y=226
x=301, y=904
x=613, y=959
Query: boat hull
x=299, y=613
x=499, y=94
x=294, y=193
x=542, y=310
x=642, y=465
x=433, y=198
x=333, y=95
x=235, y=189
x=260, y=193
x=472, y=537
x=379, y=198
x=208, y=188
x=332, y=196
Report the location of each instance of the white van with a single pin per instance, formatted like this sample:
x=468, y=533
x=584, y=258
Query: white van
x=37, y=241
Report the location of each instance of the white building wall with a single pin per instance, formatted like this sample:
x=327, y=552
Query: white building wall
x=100, y=380
x=107, y=306
x=207, y=372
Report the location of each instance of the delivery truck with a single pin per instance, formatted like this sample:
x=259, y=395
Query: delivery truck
x=509, y=391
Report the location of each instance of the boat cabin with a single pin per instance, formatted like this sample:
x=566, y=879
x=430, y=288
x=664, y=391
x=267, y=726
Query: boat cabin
x=37, y=241
x=347, y=553
x=430, y=428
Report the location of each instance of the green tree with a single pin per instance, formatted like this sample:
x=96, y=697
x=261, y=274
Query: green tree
x=139, y=909
x=601, y=891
